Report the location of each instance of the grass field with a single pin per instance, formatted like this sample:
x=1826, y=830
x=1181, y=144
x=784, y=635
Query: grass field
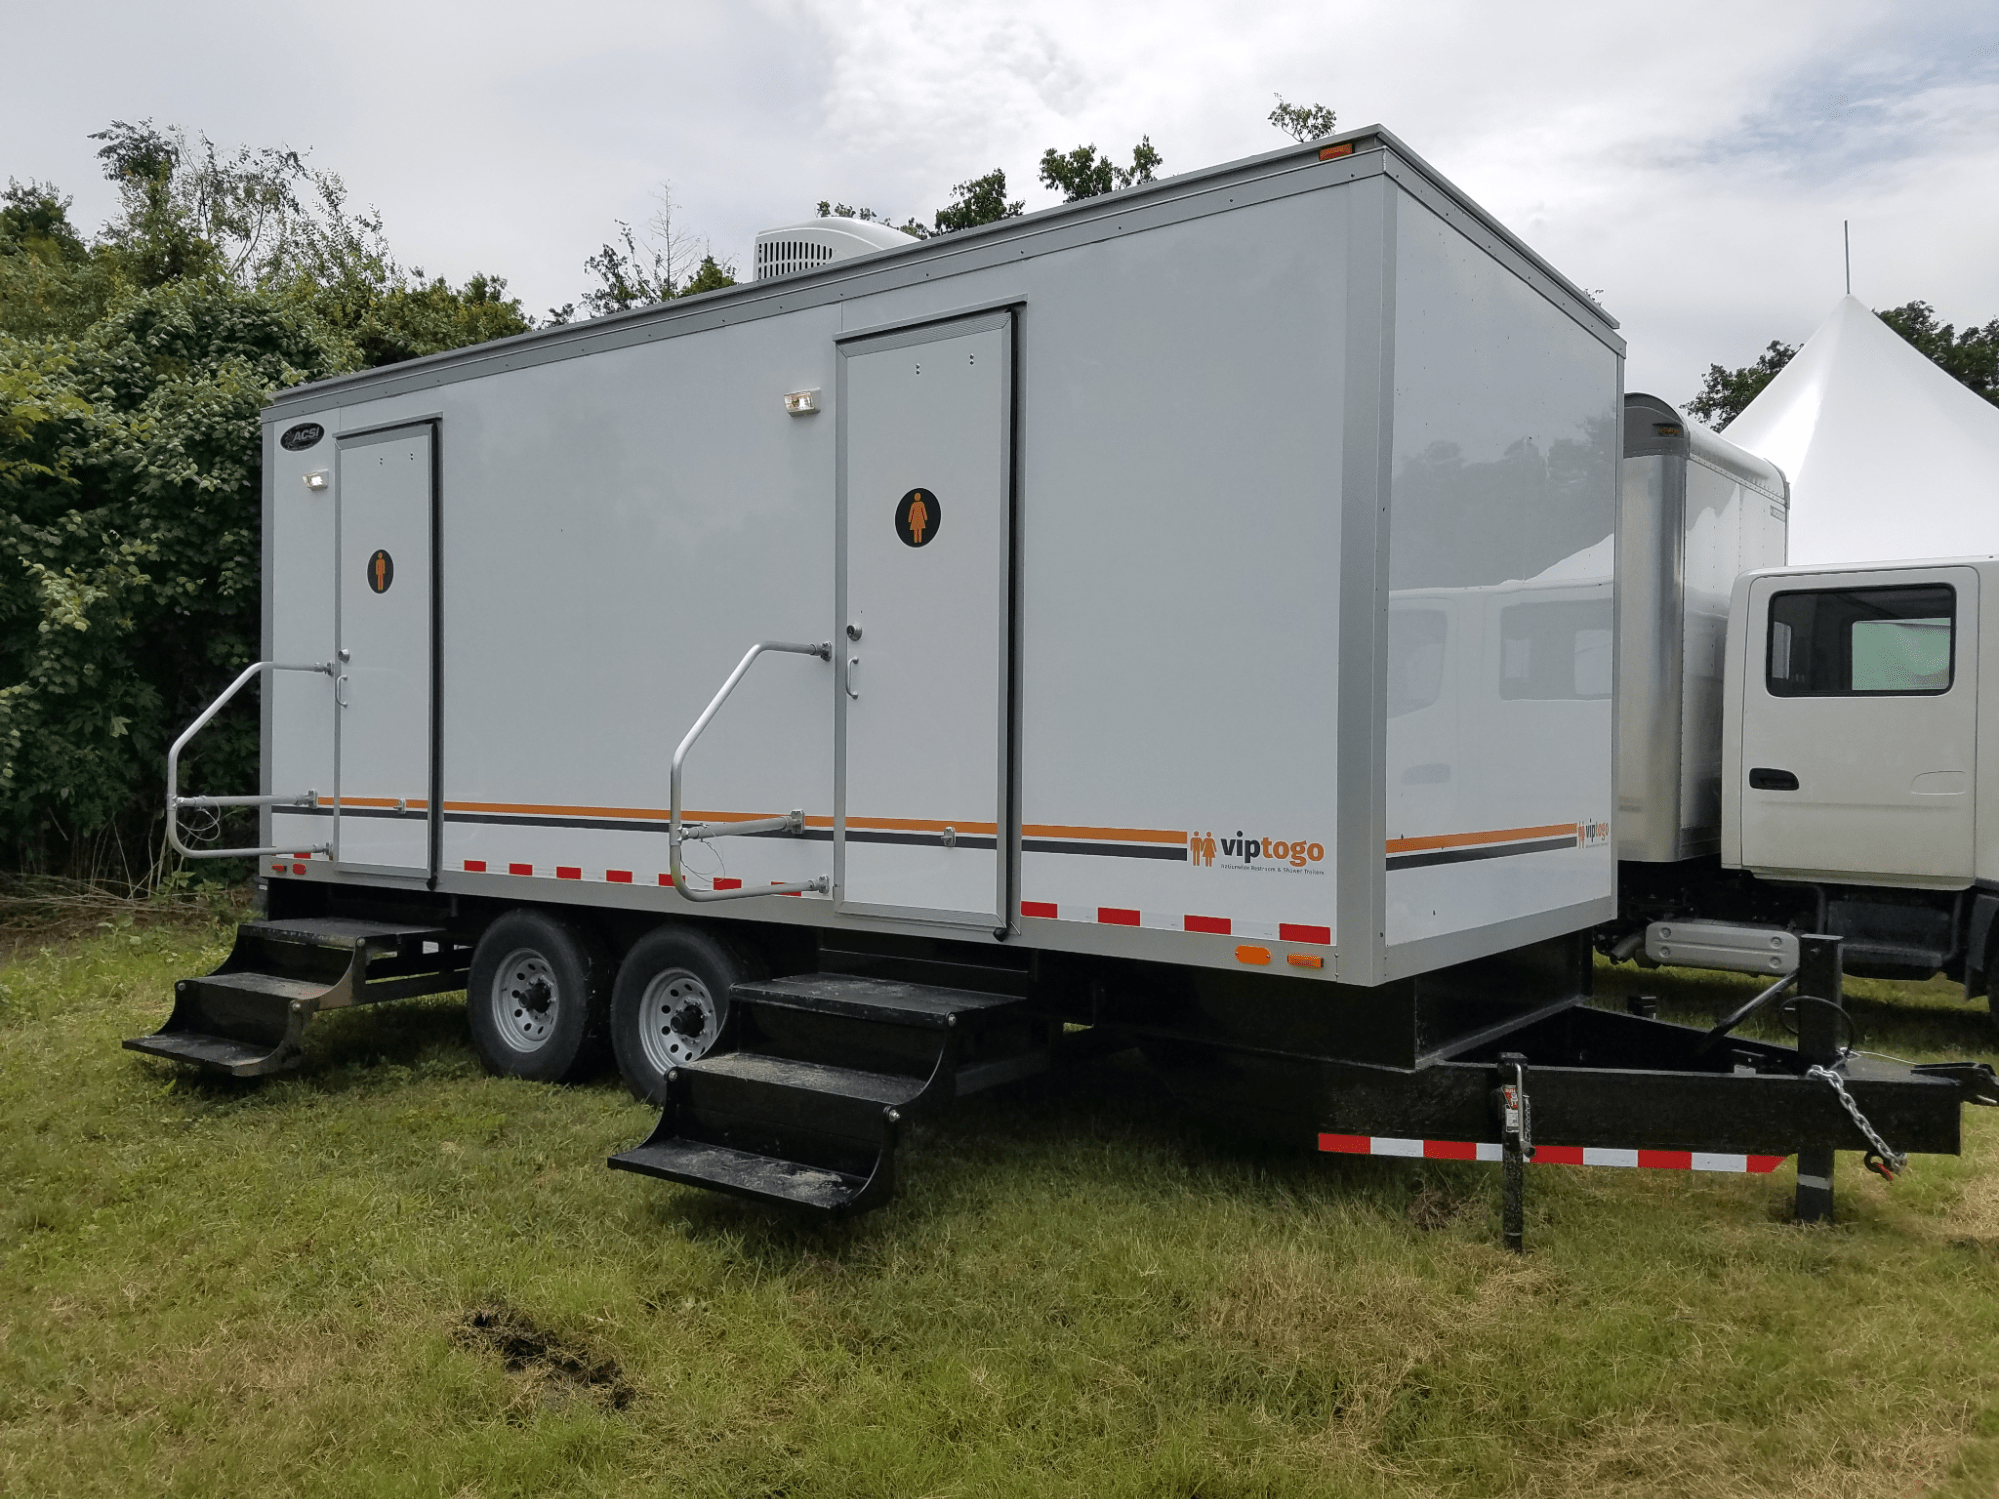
x=390, y=1272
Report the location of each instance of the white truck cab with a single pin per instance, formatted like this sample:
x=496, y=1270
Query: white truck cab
x=1850, y=726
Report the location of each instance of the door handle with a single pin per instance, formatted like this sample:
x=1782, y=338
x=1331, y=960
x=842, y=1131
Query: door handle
x=852, y=662
x=340, y=690
x=1770, y=779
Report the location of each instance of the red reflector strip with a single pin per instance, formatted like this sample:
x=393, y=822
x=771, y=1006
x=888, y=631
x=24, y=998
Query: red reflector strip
x=1037, y=908
x=568, y=872
x=520, y=869
x=1206, y=924
x=1557, y=1156
x=298, y=869
x=1117, y=916
x=726, y=884
x=1294, y=932
x=476, y=866
x=665, y=879
x=618, y=877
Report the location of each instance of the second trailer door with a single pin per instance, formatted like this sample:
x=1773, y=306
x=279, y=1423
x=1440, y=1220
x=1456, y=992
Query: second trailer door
x=921, y=813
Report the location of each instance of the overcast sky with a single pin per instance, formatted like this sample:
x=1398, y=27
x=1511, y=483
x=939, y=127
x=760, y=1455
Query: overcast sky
x=1693, y=162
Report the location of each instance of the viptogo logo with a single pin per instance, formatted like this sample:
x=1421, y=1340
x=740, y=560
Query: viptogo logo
x=1243, y=852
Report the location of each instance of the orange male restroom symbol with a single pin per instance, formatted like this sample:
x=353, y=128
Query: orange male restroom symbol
x=918, y=517
x=381, y=571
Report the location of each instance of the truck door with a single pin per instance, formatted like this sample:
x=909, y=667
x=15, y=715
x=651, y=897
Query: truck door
x=1858, y=732
x=921, y=809
x=383, y=765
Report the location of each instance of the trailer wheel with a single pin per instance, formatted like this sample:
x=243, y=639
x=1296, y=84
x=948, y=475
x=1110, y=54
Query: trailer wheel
x=670, y=1004
x=536, y=997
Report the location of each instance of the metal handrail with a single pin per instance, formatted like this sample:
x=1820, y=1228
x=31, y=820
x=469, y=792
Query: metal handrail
x=175, y=802
x=793, y=822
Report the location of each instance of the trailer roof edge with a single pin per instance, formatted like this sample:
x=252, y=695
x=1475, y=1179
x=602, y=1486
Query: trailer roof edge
x=863, y=274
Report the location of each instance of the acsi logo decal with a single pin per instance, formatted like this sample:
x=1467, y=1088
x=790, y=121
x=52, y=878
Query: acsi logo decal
x=381, y=571
x=1242, y=852
x=298, y=439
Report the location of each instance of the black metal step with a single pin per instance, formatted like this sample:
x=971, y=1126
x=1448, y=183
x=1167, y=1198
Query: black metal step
x=222, y=1054
x=275, y=986
x=808, y=1114
x=893, y=1001
x=747, y=1174
x=247, y=1018
x=342, y=933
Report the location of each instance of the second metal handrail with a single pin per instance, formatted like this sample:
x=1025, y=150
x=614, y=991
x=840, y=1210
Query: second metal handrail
x=175, y=802
x=793, y=822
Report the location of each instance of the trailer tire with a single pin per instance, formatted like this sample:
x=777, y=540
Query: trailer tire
x=536, y=997
x=671, y=1003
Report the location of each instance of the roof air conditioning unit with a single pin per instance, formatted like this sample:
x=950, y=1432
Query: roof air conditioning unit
x=820, y=242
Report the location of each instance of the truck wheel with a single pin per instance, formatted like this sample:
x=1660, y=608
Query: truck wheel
x=670, y=1004
x=536, y=996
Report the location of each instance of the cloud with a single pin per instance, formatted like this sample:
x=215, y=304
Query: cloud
x=1695, y=164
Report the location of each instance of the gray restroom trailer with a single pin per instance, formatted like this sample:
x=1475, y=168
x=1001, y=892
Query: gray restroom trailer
x=1187, y=614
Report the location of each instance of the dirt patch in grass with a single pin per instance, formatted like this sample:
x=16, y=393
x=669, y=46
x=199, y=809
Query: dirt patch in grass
x=553, y=1370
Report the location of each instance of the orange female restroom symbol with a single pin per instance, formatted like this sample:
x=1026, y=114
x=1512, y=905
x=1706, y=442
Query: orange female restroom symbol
x=381, y=571
x=918, y=518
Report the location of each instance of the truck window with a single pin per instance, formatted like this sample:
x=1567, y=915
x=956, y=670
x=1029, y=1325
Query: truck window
x=1415, y=659
x=1557, y=649
x=1855, y=642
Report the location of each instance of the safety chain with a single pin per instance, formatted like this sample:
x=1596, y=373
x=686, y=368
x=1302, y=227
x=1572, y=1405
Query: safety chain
x=1884, y=1158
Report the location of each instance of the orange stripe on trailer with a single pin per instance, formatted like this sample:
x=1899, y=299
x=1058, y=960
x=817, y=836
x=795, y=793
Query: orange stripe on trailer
x=568, y=810
x=414, y=804
x=916, y=825
x=1103, y=835
x=1472, y=840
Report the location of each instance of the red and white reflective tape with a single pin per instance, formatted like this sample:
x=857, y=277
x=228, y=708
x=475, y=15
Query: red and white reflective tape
x=1126, y=916
x=1558, y=1156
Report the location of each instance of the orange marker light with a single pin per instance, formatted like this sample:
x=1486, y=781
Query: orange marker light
x=1304, y=960
x=1249, y=955
x=1327, y=153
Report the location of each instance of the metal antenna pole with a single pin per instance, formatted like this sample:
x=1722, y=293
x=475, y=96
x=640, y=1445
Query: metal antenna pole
x=1846, y=233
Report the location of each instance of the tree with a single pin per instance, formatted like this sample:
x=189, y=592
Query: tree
x=829, y=210
x=1303, y=122
x=980, y=201
x=1724, y=392
x=1971, y=357
x=664, y=264
x=1082, y=173
x=133, y=368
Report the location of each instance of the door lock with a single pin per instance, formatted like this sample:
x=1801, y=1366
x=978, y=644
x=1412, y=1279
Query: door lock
x=853, y=632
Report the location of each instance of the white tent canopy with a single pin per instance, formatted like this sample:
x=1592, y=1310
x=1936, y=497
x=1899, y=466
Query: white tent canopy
x=1888, y=457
